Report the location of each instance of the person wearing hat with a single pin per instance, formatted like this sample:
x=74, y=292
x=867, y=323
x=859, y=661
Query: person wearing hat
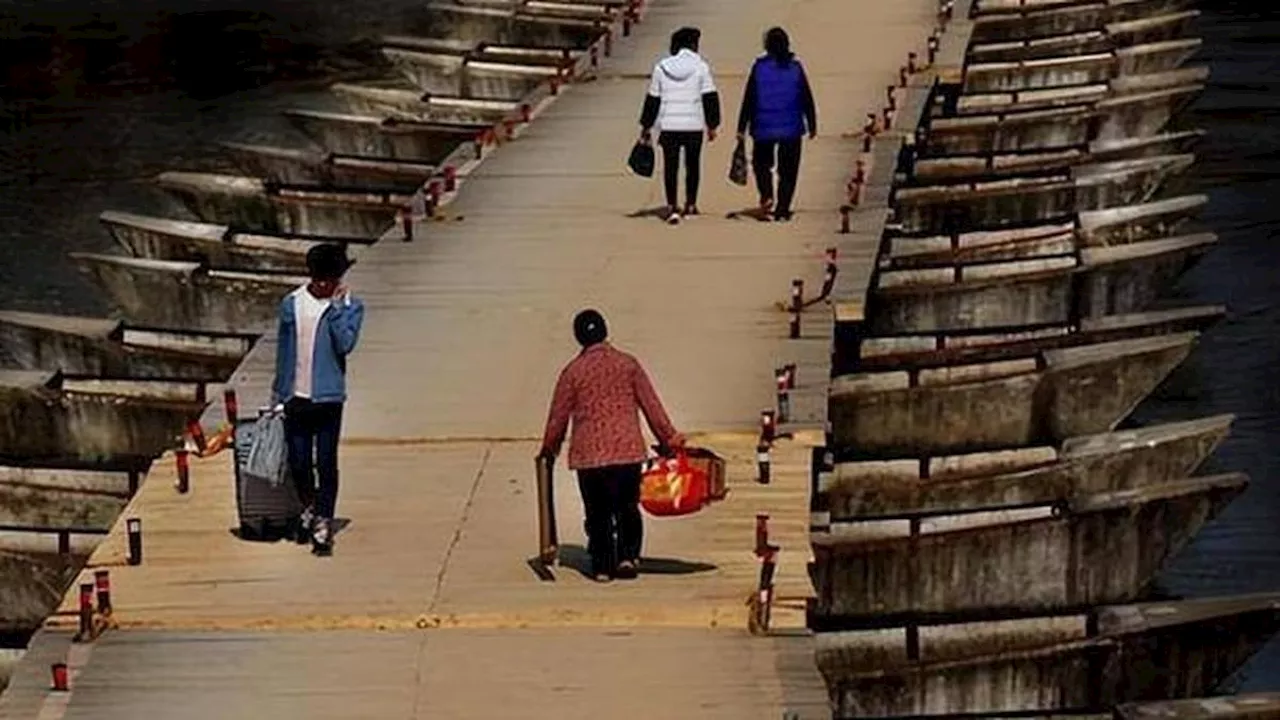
x=603, y=391
x=319, y=325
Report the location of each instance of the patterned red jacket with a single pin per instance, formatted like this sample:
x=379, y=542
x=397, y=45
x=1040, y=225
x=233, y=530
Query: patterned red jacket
x=603, y=391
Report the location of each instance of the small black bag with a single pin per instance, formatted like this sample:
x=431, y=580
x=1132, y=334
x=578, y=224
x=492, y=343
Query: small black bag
x=738, y=165
x=642, y=159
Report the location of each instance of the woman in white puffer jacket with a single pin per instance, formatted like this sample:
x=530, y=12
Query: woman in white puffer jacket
x=684, y=103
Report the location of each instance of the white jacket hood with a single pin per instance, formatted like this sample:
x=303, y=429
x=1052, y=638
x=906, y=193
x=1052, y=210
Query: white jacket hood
x=680, y=81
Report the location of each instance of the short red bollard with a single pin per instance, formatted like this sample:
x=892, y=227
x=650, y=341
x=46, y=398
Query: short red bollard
x=509, y=128
x=784, y=395
x=134, y=528
x=888, y=117
x=197, y=435
x=934, y=44
x=608, y=43
x=59, y=677
x=182, y=459
x=526, y=113
x=230, y=405
x=797, y=295
x=768, y=426
x=595, y=56
x=86, y=613
x=860, y=171
x=450, y=178
x=763, y=469
x=845, y=228
x=433, y=192
x=762, y=534
x=912, y=59
x=626, y=24
x=102, y=582
x=554, y=83
x=889, y=94
x=902, y=76
x=406, y=225
x=791, y=375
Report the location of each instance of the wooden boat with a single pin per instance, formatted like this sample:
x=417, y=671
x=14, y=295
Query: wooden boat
x=1005, y=20
x=465, y=77
x=1082, y=662
x=110, y=348
x=521, y=25
x=1023, y=200
x=187, y=295
x=1082, y=551
x=983, y=103
x=930, y=170
x=216, y=246
x=302, y=166
x=61, y=499
x=248, y=203
x=414, y=105
x=1030, y=294
x=383, y=137
x=1251, y=706
x=551, y=56
x=1092, y=228
x=1086, y=465
x=48, y=419
x=1012, y=130
x=1076, y=69
x=1043, y=399
x=1126, y=33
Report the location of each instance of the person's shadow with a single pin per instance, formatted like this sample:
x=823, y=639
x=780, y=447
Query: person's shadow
x=339, y=524
x=575, y=557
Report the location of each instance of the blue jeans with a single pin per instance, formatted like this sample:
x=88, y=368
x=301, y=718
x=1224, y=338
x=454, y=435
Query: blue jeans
x=311, y=430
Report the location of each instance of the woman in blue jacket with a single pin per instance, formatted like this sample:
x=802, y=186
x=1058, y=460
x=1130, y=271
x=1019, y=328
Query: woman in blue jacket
x=778, y=109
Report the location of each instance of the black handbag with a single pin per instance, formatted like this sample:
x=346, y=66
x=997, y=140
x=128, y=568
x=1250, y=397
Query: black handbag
x=642, y=159
x=738, y=165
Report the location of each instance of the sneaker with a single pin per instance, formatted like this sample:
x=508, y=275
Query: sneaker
x=306, y=523
x=627, y=570
x=602, y=578
x=673, y=218
x=691, y=210
x=782, y=216
x=322, y=539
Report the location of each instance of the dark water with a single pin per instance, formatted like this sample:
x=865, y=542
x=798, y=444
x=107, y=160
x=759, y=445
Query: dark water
x=168, y=80
x=1236, y=368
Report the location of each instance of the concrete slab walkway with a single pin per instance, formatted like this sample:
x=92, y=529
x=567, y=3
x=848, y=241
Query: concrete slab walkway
x=427, y=608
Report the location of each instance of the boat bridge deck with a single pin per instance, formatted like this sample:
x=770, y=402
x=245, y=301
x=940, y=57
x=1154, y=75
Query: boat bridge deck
x=428, y=608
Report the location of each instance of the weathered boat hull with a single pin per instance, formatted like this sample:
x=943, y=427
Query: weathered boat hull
x=914, y=352
x=1080, y=391
x=414, y=106
x=214, y=246
x=24, y=505
x=1093, y=549
x=249, y=204
x=1123, y=225
x=953, y=101
x=50, y=421
x=1011, y=24
x=442, y=20
x=294, y=166
x=1120, y=118
x=1031, y=293
x=1140, y=653
x=1251, y=706
x=1090, y=464
x=468, y=78
x=1014, y=201
x=181, y=295
x=34, y=585
x=107, y=348
x=1156, y=28
x=1070, y=70
x=379, y=137
x=979, y=167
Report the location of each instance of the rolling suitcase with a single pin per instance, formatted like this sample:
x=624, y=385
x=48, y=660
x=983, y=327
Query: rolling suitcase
x=268, y=511
x=548, y=538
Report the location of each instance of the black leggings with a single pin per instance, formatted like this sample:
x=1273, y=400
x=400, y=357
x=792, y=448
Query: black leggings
x=788, y=156
x=671, y=142
x=611, y=501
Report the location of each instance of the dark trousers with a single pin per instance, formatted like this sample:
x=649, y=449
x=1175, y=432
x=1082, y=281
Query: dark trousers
x=312, y=429
x=787, y=153
x=671, y=143
x=611, y=501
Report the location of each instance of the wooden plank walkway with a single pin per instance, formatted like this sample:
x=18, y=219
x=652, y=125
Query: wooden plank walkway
x=427, y=608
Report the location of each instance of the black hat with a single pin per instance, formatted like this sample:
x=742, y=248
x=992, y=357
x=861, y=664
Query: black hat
x=327, y=261
x=589, y=328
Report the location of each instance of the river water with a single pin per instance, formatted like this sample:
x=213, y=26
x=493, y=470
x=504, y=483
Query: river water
x=199, y=78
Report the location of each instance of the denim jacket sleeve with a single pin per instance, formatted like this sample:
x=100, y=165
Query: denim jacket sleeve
x=347, y=321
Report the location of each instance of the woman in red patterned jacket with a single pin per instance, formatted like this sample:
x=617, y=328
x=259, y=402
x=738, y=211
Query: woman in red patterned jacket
x=603, y=391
